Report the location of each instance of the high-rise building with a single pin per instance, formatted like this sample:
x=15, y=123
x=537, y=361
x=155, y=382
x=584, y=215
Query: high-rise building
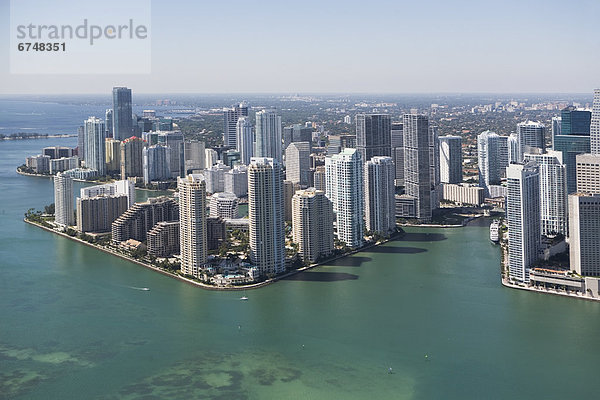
x=531, y=134
x=584, y=233
x=231, y=158
x=117, y=188
x=296, y=133
x=63, y=164
x=523, y=215
x=122, y=113
x=132, y=161
x=588, y=173
x=373, y=135
x=113, y=156
x=224, y=205
x=556, y=126
x=297, y=163
x=55, y=152
x=195, y=155
x=163, y=239
x=574, y=121
x=417, y=165
x=63, y=200
x=595, y=124
x=40, y=163
x=192, y=224
x=211, y=157
x=397, y=142
x=450, y=159
x=268, y=135
x=97, y=213
x=319, y=178
x=345, y=188
x=230, y=120
x=81, y=142
x=245, y=139
x=289, y=189
x=156, y=163
x=216, y=232
x=236, y=181
x=488, y=160
x=553, y=192
x=380, y=204
x=215, y=177
x=174, y=140
x=265, y=213
x=94, y=147
x=512, y=145
x=108, y=119
x=139, y=219
x=312, y=224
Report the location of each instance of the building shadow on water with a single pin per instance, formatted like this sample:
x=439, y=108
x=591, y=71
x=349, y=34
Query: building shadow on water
x=396, y=250
x=422, y=237
x=354, y=261
x=314, y=276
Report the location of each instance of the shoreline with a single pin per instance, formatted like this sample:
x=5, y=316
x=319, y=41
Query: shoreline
x=555, y=293
x=87, y=181
x=54, y=136
x=203, y=285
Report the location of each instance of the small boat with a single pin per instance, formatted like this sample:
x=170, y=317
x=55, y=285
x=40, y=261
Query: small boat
x=243, y=298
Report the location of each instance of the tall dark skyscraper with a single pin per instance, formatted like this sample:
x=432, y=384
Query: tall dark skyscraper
x=230, y=119
x=417, y=168
x=122, y=114
x=575, y=122
x=373, y=135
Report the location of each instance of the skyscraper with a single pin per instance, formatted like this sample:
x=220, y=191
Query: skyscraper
x=63, y=200
x=95, y=134
x=268, y=135
x=194, y=151
x=296, y=133
x=174, y=140
x=417, y=165
x=312, y=224
x=488, y=160
x=230, y=120
x=157, y=160
x=132, y=162
x=397, y=142
x=108, y=120
x=523, y=215
x=113, y=156
x=345, y=189
x=297, y=163
x=122, y=114
x=373, y=135
x=265, y=212
x=595, y=124
x=450, y=159
x=211, y=157
x=553, y=192
x=575, y=122
x=245, y=139
x=380, y=204
x=81, y=142
x=588, y=173
x=556, y=126
x=530, y=134
x=584, y=233
x=192, y=224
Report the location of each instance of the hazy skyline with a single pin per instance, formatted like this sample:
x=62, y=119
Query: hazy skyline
x=344, y=47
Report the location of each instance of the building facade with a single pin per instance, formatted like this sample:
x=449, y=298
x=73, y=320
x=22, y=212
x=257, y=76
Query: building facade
x=63, y=200
x=268, y=135
x=224, y=205
x=312, y=224
x=373, y=135
x=417, y=166
x=139, y=219
x=192, y=224
x=94, y=137
x=584, y=233
x=122, y=113
x=297, y=163
x=380, y=204
x=245, y=139
x=450, y=159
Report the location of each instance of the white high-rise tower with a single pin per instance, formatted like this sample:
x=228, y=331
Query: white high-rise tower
x=595, y=124
x=192, y=223
x=63, y=200
x=245, y=139
x=380, y=205
x=450, y=159
x=94, y=137
x=268, y=135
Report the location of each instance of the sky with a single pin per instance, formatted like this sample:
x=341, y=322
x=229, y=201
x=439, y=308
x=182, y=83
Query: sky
x=375, y=46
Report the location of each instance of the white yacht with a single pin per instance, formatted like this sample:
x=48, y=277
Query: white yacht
x=495, y=231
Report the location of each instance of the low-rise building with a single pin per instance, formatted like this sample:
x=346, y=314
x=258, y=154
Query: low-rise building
x=463, y=193
x=163, y=239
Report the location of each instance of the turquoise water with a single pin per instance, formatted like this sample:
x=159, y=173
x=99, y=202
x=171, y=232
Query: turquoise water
x=431, y=307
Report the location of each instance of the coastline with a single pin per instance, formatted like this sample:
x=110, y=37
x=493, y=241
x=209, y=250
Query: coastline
x=507, y=284
x=203, y=285
x=67, y=135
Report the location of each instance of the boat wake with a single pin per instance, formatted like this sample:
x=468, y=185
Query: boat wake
x=145, y=289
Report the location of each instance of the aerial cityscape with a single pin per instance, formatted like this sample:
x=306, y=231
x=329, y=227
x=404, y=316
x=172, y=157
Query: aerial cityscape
x=392, y=200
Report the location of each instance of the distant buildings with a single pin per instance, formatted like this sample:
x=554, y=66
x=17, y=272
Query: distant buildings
x=108, y=119
x=312, y=224
x=211, y=157
x=345, y=189
x=268, y=135
x=132, y=157
x=265, y=212
x=595, y=124
x=236, y=181
x=63, y=164
x=63, y=200
x=94, y=147
x=450, y=159
x=195, y=155
x=530, y=134
x=296, y=133
x=417, y=165
x=40, y=164
x=297, y=163
x=141, y=217
x=122, y=113
x=156, y=163
x=584, y=234
x=380, y=205
x=230, y=121
x=174, y=140
x=55, y=152
x=245, y=139
x=523, y=216
x=215, y=177
x=373, y=135
x=224, y=205
x=192, y=224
